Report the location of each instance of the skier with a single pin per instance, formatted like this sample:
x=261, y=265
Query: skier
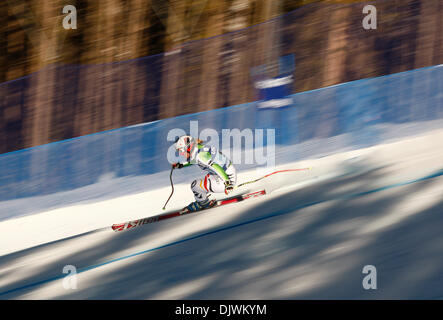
x=221, y=176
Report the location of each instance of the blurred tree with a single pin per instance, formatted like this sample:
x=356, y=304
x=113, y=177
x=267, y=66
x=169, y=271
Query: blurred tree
x=430, y=34
x=60, y=102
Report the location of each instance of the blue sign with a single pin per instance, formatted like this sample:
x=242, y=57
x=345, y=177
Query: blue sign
x=275, y=93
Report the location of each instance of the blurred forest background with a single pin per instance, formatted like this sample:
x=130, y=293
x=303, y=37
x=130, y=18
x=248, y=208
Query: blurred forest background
x=134, y=61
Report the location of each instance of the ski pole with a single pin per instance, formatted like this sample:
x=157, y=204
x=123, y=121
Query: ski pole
x=270, y=174
x=172, y=186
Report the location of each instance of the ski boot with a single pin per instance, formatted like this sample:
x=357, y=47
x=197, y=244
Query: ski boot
x=197, y=206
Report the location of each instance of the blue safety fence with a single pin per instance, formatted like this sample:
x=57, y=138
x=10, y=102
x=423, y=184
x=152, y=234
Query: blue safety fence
x=355, y=107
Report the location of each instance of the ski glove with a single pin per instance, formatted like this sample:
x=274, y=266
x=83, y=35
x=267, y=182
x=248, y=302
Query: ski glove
x=228, y=187
x=177, y=165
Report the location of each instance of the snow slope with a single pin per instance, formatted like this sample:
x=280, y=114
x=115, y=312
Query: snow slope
x=309, y=238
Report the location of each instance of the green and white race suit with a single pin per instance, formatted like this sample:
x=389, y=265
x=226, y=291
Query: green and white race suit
x=219, y=168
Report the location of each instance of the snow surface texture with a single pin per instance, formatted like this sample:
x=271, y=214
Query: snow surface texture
x=309, y=238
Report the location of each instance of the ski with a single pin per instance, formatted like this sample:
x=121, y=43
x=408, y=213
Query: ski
x=136, y=223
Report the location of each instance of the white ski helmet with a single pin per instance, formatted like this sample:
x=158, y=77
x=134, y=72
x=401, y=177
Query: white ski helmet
x=186, y=144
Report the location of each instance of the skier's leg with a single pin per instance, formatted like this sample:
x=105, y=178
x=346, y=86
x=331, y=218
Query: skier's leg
x=217, y=185
x=200, y=189
x=209, y=184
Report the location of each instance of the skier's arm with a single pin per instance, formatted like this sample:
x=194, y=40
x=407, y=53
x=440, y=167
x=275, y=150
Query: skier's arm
x=179, y=165
x=221, y=173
